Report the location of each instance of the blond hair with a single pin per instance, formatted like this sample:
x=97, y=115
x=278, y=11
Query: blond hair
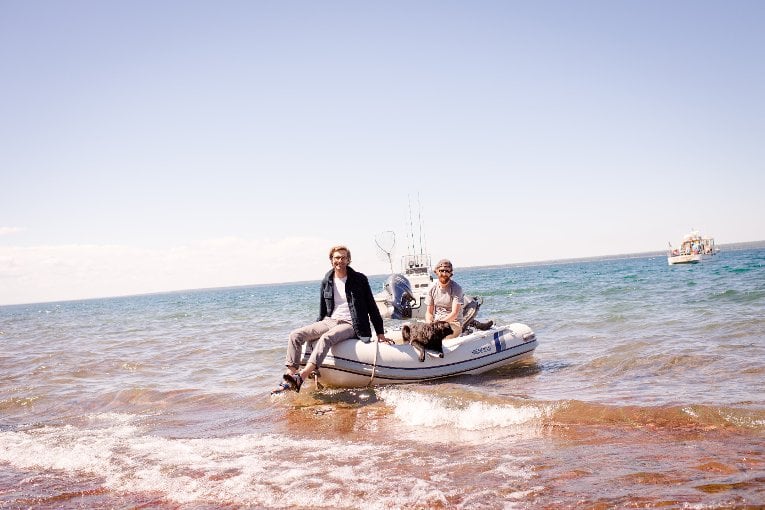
x=339, y=247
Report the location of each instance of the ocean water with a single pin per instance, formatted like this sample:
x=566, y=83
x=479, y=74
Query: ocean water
x=647, y=390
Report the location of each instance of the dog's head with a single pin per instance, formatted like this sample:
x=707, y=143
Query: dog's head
x=441, y=329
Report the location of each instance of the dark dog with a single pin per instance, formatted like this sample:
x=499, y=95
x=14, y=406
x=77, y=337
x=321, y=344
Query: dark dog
x=429, y=336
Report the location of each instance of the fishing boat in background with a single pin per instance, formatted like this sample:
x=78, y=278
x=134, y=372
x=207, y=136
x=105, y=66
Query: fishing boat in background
x=693, y=248
x=403, y=295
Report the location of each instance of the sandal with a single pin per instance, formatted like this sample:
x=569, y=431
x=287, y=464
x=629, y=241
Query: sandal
x=282, y=387
x=294, y=381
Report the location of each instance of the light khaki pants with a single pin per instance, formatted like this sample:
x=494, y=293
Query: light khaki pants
x=320, y=337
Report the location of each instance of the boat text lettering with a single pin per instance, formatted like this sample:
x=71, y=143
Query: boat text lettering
x=481, y=350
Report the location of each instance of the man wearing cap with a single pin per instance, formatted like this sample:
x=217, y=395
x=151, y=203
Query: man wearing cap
x=445, y=298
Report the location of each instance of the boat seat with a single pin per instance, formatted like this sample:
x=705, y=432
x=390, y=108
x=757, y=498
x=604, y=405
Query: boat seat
x=469, y=312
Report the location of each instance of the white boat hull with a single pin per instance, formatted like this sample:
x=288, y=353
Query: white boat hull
x=692, y=249
x=355, y=364
x=693, y=258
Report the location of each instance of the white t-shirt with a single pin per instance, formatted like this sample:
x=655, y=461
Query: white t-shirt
x=341, y=312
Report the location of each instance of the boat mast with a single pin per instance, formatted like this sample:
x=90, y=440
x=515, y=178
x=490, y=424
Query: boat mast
x=423, y=250
x=411, y=247
x=418, y=257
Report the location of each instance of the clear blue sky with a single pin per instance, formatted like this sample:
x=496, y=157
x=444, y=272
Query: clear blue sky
x=161, y=145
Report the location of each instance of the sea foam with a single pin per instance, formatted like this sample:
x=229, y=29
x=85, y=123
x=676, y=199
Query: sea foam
x=417, y=409
x=268, y=470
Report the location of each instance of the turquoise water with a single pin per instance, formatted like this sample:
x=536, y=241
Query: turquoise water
x=646, y=390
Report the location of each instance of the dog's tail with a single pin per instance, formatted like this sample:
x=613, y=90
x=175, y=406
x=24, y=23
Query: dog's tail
x=406, y=333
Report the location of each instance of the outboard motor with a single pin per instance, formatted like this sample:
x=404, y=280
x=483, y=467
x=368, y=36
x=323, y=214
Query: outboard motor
x=399, y=296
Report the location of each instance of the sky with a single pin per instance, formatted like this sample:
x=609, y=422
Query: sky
x=150, y=146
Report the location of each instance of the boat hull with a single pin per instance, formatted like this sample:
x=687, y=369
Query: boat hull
x=693, y=258
x=354, y=364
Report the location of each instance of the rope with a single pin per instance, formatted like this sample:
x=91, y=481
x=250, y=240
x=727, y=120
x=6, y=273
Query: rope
x=374, y=366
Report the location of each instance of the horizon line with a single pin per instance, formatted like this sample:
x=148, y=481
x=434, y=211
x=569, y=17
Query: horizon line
x=736, y=246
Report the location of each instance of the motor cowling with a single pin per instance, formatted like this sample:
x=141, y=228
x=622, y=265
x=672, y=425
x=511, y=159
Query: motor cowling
x=399, y=296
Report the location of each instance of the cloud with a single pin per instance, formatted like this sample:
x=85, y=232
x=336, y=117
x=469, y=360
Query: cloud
x=5, y=231
x=65, y=272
